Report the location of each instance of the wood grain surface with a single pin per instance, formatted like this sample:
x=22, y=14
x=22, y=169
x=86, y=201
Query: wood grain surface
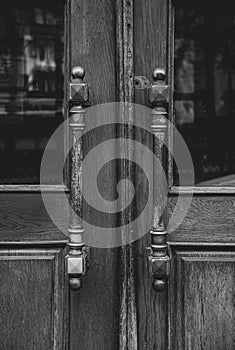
x=209, y=219
x=125, y=72
x=32, y=297
x=94, y=321
x=202, y=300
x=24, y=219
x=150, y=42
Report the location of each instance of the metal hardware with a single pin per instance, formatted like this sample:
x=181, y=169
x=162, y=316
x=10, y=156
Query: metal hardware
x=159, y=261
x=78, y=90
x=76, y=260
x=159, y=90
x=140, y=82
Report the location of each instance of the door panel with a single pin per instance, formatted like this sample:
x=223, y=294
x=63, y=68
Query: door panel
x=210, y=219
x=33, y=299
x=202, y=300
x=24, y=220
x=33, y=287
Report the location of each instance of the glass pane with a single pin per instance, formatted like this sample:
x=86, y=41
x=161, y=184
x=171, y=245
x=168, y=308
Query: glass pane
x=31, y=85
x=205, y=90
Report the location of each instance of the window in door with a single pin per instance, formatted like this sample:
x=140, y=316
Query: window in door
x=31, y=86
x=204, y=90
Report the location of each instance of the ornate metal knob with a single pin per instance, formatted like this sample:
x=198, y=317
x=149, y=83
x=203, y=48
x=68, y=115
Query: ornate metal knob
x=78, y=72
x=159, y=285
x=75, y=283
x=76, y=261
x=159, y=74
x=159, y=265
x=159, y=90
x=78, y=88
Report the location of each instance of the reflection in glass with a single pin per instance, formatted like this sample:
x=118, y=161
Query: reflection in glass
x=31, y=85
x=205, y=91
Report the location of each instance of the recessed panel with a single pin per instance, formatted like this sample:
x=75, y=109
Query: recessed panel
x=32, y=298
x=203, y=311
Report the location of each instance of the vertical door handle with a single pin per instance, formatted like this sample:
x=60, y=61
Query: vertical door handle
x=159, y=261
x=76, y=260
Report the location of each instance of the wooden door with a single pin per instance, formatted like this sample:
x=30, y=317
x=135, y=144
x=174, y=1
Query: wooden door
x=201, y=289
x=119, y=44
x=33, y=287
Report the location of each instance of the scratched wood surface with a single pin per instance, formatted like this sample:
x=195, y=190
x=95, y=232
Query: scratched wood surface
x=117, y=306
x=202, y=299
x=202, y=268
x=125, y=72
x=150, y=42
x=210, y=219
x=32, y=297
x=24, y=219
x=94, y=321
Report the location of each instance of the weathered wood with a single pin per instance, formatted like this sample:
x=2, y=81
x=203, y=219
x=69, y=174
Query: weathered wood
x=209, y=219
x=202, y=265
x=202, y=300
x=95, y=316
x=150, y=42
x=23, y=218
x=94, y=320
x=125, y=51
x=203, y=190
x=92, y=43
x=33, y=299
x=33, y=188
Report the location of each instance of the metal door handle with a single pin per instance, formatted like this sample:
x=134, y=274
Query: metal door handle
x=76, y=260
x=159, y=261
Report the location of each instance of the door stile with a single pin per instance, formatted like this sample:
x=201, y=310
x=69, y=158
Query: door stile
x=125, y=73
x=151, y=52
x=94, y=308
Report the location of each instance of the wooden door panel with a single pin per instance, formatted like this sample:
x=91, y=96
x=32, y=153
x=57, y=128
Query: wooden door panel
x=209, y=219
x=24, y=219
x=32, y=298
x=202, y=300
